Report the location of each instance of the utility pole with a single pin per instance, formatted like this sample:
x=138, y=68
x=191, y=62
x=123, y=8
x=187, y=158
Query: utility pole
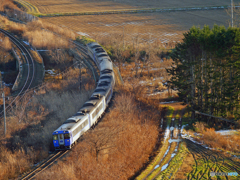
x=123, y=38
x=4, y=110
x=80, y=78
x=232, y=11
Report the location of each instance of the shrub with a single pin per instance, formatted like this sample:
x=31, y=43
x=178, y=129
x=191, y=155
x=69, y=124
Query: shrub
x=199, y=127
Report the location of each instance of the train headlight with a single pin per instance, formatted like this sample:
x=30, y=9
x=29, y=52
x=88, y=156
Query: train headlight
x=67, y=140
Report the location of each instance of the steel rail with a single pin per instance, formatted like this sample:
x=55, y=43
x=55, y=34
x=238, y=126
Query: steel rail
x=84, y=50
x=30, y=62
x=45, y=164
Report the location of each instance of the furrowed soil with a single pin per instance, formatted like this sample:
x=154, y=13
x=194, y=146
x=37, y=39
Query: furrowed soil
x=63, y=6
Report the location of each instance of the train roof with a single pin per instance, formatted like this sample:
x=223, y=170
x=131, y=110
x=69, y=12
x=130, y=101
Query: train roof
x=103, y=84
x=92, y=44
x=65, y=127
x=102, y=54
x=86, y=109
x=99, y=50
x=106, y=76
x=100, y=89
x=75, y=119
x=90, y=103
x=101, y=93
x=96, y=97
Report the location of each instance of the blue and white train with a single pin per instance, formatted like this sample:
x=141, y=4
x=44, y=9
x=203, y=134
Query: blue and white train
x=67, y=134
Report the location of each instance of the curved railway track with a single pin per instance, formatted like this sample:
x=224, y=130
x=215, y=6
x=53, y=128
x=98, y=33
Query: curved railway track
x=45, y=164
x=87, y=59
x=30, y=66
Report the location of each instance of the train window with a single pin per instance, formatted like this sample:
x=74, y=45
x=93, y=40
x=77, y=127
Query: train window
x=66, y=136
x=55, y=137
x=88, y=104
x=94, y=98
x=61, y=136
x=99, y=50
x=101, y=55
x=103, y=84
x=95, y=46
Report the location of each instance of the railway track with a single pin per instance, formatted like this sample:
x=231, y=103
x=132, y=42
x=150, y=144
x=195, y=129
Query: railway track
x=30, y=75
x=86, y=58
x=45, y=164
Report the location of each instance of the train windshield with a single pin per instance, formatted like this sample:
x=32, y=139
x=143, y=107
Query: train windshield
x=66, y=136
x=55, y=137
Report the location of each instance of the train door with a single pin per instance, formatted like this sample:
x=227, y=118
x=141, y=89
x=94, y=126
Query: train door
x=61, y=139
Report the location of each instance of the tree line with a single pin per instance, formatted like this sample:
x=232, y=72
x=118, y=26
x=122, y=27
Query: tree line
x=206, y=70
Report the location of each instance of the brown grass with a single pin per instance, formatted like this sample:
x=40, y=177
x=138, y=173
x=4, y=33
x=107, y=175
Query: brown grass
x=37, y=25
x=36, y=57
x=16, y=28
x=38, y=37
x=45, y=40
x=7, y=4
x=12, y=163
x=5, y=43
x=215, y=140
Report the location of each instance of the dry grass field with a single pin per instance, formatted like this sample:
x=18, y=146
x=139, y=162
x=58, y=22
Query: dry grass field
x=143, y=25
x=164, y=27
x=63, y=6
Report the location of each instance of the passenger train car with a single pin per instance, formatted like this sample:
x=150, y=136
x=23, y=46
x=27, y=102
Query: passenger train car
x=70, y=131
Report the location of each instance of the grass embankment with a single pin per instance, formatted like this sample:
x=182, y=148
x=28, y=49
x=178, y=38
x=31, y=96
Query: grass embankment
x=41, y=39
x=7, y=4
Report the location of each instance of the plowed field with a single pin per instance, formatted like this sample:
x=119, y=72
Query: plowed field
x=63, y=6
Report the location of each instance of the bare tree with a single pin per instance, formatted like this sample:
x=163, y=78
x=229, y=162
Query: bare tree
x=102, y=139
x=137, y=54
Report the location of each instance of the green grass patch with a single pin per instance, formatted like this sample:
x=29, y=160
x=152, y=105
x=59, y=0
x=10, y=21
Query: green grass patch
x=202, y=170
x=84, y=40
x=165, y=160
x=175, y=163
